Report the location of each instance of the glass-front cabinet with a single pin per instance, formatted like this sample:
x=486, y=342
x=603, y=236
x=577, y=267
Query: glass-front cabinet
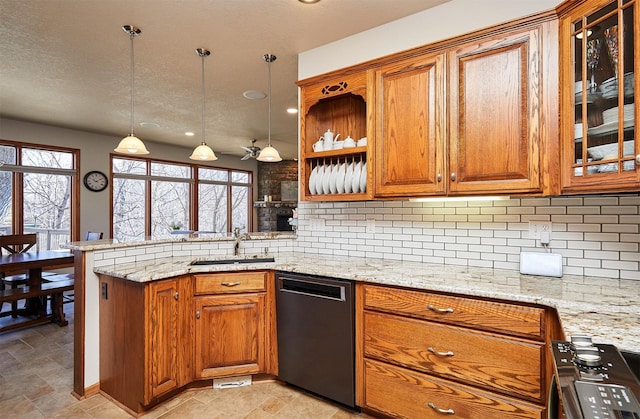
x=598, y=59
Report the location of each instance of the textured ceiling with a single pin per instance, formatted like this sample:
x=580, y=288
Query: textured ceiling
x=66, y=63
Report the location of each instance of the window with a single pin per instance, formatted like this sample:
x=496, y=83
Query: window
x=153, y=198
x=37, y=185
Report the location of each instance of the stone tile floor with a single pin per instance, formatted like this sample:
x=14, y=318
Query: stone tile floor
x=36, y=378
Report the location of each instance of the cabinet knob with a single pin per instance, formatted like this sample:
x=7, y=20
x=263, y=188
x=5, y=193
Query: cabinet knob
x=638, y=159
x=440, y=310
x=439, y=177
x=176, y=296
x=433, y=351
x=445, y=411
x=198, y=314
x=453, y=177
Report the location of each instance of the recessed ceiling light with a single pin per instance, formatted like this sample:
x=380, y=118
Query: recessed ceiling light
x=189, y=134
x=149, y=125
x=254, y=94
x=308, y=1
x=292, y=110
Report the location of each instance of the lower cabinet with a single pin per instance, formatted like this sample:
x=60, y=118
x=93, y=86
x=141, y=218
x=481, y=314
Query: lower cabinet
x=425, y=355
x=230, y=324
x=160, y=336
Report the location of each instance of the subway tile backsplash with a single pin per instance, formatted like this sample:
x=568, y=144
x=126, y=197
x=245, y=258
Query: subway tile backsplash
x=597, y=235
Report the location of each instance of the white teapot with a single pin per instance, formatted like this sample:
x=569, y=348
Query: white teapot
x=329, y=139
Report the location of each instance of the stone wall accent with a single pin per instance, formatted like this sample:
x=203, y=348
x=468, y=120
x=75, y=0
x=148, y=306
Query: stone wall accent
x=270, y=176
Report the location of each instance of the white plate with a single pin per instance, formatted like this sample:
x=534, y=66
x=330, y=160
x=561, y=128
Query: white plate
x=319, y=179
x=326, y=179
x=355, y=179
x=363, y=178
x=610, y=128
x=312, y=180
x=334, y=176
x=347, y=178
x=340, y=179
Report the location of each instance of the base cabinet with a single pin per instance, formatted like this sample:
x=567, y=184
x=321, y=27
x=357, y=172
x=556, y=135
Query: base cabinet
x=423, y=354
x=160, y=336
x=229, y=335
x=145, y=339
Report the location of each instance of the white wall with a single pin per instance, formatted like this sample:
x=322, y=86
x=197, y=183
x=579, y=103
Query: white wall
x=94, y=155
x=445, y=21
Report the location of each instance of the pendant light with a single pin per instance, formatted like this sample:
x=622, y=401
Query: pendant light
x=131, y=144
x=203, y=151
x=269, y=154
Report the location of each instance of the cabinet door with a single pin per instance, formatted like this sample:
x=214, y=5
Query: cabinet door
x=164, y=343
x=230, y=335
x=495, y=102
x=409, y=120
x=598, y=55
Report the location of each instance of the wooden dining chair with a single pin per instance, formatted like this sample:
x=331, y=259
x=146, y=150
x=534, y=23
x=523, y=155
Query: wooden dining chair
x=12, y=244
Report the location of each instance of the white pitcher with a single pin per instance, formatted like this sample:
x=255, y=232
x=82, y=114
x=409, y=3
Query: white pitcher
x=329, y=139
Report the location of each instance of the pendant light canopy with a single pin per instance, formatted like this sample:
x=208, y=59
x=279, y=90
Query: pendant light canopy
x=203, y=151
x=269, y=154
x=131, y=144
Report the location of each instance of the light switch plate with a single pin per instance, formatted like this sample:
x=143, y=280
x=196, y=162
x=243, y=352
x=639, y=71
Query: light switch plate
x=539, y=263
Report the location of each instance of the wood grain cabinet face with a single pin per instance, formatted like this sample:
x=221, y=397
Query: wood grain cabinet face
x=494, y=115
x=229, y=335
x=422, y=354
x=409, y=149
x=599, y=55
x=230, y=324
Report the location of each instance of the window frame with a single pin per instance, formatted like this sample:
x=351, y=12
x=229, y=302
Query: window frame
x=194, y=182
x=17, y=183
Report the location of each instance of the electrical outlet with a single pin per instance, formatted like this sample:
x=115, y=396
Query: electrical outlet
x=537, y=227
x=371, y=226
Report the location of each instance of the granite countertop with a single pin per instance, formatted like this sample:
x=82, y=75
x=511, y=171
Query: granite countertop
x=607, y=309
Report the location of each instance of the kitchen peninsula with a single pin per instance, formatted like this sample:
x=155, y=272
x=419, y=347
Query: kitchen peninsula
x=607, y=309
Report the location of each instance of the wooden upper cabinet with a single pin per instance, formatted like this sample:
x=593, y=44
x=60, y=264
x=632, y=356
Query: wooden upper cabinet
x=337, y=103
x=600, y=53
x=409, y=123
x=495, y=100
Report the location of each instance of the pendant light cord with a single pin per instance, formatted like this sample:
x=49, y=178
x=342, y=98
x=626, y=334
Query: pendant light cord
x=269, y=93
x=203, y=95
x=132, y=83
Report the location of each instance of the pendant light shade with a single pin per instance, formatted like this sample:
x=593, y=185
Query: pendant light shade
x=269, y=154
x=203, y=151
x=131, y=144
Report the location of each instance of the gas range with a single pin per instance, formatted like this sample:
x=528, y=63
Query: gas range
x=594, y=380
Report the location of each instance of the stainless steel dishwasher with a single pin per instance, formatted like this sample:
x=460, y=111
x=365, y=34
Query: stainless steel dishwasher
x=316, y=335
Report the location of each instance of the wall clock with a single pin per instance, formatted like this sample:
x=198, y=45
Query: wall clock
x=96, y=181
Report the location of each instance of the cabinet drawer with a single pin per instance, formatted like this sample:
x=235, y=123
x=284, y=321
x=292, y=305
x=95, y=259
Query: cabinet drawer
x=500, y=364
x=230, y=282
x=506, y=318
x=399, y=392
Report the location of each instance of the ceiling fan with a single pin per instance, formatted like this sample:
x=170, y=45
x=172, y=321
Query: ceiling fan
x=252, y=151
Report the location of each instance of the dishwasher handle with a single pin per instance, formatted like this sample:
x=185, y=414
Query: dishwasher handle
x=316, y=289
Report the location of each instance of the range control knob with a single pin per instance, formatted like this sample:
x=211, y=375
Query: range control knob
x=588, y=356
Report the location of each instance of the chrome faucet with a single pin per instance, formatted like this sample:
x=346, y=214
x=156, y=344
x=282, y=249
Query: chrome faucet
x=239, y=237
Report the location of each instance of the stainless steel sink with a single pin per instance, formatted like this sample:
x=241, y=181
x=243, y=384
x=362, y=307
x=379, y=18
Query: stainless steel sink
x=233, y=261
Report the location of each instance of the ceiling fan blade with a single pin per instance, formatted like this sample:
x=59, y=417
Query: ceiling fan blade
x=247, y=149
x=246, y=157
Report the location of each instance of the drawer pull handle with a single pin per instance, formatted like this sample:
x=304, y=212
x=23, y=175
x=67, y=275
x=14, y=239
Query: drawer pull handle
x=231, y=284
x=440, y=310
x=433, y=351
x=445, y=411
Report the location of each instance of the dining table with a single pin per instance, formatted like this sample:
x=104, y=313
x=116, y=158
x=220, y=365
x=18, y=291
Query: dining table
x=32, y=263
